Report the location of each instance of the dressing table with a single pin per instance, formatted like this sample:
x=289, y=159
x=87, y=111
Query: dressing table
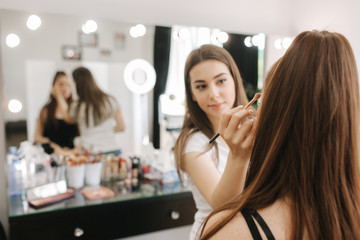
x=146, y=208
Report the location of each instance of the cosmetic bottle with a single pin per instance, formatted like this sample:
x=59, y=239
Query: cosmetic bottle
x=15, y=174
x=135, y=167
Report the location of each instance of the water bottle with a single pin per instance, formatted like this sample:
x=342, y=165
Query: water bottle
x=14, y=172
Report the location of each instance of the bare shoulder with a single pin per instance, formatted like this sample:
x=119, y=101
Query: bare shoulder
x=276, y=216
x=236, y=228
x=43, y=114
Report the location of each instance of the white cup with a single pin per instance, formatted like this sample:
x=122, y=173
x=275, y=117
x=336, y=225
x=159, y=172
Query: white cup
x=75, y=175
x=93, y=174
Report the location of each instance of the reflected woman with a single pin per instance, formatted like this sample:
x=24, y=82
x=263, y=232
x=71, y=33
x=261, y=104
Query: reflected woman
x=97, y=113
x=51, y=130
x=213, y=86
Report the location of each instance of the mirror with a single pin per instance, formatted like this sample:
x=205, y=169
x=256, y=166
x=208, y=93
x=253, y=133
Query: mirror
x=59, y=44
x=29, y=68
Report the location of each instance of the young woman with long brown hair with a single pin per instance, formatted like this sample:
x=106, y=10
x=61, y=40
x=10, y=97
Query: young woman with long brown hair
x=213, y=85
x=303, y=180
x=97, y=113
x=51, y=130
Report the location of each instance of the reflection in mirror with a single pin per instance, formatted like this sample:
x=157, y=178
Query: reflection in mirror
x=247, y=51
x=29, y=67
x=139, y=76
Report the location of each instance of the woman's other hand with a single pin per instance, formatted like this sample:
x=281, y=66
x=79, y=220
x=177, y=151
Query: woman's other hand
x=238, y=131
x=56, y=92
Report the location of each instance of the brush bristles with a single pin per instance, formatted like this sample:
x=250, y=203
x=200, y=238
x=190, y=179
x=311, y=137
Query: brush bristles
x=256, y=97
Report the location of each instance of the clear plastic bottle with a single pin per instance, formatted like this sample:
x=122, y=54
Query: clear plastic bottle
x=15, y=174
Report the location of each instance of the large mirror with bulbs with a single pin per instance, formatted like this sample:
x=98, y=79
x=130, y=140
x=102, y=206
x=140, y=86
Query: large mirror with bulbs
x=31, y=56
x=35, y=46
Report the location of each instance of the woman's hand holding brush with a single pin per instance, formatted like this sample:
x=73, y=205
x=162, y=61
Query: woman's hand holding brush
x=237, y=129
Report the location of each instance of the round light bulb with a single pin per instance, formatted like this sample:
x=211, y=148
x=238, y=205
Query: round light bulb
x=90, y=26
x=247, y=42
x=223, y=37
x=214, y=36
x=286, y=42
x=139, y=76
x=14, y=106
x=140, y=29
x=12, y=40
x=278, y=44
x=33, y=22
x=184, y=34
x=133, y=32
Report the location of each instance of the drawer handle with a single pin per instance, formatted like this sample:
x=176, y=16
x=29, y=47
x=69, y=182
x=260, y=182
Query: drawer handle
x=175, y=215
x=78, y=232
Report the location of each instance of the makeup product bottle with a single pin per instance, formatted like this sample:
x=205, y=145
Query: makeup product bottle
x=107, y=168
x=114, y=167
x=122, y=168
x=135, y=167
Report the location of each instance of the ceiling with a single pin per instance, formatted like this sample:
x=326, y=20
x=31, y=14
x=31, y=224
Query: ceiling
x=244, y=16
x=277, y=17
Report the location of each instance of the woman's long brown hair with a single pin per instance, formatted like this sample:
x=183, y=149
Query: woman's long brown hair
x=307, y=142
x=91, y=96
x=195, y=118
x=47, y=113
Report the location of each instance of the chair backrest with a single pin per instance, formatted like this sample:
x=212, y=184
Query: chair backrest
x=2, y=232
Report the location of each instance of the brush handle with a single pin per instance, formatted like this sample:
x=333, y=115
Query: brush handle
x=214, y=138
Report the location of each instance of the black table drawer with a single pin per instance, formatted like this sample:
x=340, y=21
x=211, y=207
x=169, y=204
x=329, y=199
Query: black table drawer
x=107, y=221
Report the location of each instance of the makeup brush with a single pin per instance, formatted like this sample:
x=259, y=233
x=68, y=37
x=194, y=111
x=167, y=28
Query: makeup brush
x=256, y=97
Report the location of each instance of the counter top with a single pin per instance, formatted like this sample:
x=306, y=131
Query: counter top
x=148, y=207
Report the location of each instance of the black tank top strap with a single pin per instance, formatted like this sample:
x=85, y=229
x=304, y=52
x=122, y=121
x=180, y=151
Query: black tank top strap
x=249, y=216
x=251, y=224
x=263, y=225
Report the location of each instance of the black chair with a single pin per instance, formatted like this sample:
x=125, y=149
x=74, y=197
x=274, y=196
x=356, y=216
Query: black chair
x=2, y=232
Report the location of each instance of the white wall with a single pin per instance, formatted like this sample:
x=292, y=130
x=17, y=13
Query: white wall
x=332, y=15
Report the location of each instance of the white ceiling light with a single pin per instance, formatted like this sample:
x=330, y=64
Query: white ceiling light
x=259, y=41
x=247, y=41
x=137, y=31
x=283, y=43
x=223, y=37
x=141, y=30
x=184, y=33
x=133, y=32
x=33, y=22
x=89, y=27
x=286, y=42
x=12, y=40
x=139, y=76
x=14, y=106
x=214, y=36
x=277, y=44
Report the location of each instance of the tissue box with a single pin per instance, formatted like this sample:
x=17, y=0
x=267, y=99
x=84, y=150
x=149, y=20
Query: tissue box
x=169, y=176
x=164, y=175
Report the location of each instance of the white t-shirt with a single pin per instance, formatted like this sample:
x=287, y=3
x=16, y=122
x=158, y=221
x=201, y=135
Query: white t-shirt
x=102, y=136
x=198, y=142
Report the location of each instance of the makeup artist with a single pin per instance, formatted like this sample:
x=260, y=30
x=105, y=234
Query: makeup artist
x=97, y=113
x=217, y=170
x=51, y=130
x=304, y=175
